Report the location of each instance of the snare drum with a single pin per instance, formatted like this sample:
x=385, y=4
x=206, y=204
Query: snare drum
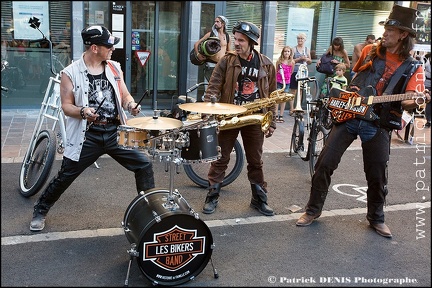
x=203, y=144
x=173, y=244
x=132, y=138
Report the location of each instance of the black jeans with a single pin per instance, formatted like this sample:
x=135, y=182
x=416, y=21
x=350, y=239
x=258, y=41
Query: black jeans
x=100, y=139
x=376, y=153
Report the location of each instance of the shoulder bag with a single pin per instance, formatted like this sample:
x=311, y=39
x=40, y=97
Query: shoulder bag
x=326, y=66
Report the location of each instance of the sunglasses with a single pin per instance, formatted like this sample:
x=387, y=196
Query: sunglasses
x=106, y=46
x=245, y=27
x=392, y=22
x=298, y=38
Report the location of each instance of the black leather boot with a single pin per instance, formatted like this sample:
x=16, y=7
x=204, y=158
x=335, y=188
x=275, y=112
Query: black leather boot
x=39, y=215
x=259, y=200
x=212, y=199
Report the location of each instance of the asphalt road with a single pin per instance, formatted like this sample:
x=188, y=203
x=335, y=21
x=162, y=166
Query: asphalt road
x=84, y=243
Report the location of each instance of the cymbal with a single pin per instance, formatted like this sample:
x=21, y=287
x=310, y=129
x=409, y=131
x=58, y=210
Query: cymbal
x=155, y=123
x=213, y=108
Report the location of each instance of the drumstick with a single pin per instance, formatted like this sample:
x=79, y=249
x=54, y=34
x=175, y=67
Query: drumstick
x=97, y=110
x=144, y=95
x=100, y=105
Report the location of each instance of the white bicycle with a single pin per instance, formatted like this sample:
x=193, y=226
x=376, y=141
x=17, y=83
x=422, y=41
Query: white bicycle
x=47, y=137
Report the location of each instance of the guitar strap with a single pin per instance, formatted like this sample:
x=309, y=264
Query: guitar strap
x=390, y=114
x=397, y=76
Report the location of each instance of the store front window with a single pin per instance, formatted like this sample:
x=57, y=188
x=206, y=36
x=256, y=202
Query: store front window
x=28, y=69
x=315, y=19
x=144, y=40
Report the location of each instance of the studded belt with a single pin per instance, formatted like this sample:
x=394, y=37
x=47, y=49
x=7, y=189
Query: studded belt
x=106, y=122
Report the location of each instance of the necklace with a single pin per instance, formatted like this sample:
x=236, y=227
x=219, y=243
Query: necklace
x=98, y=85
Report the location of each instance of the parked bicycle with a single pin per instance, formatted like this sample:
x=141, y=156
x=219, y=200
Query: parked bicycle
x=44, y=143
x=197, y=170
x=318, y=124
x=11, y=78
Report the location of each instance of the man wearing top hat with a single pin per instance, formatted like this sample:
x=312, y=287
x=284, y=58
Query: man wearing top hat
x=377, y=65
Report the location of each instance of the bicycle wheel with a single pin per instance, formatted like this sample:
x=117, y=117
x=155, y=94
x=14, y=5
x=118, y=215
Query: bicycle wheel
x=297, y=135
x=197, y=172
x=37, y=164
x=318, y=137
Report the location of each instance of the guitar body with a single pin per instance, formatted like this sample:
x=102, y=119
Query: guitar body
x=346, y=105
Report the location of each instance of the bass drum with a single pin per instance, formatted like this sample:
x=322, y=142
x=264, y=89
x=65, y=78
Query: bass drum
x=173, y=244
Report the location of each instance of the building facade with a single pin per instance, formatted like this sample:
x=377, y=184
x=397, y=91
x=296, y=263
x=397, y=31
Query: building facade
x=156, y=38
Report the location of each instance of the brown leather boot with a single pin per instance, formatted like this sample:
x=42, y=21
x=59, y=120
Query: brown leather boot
x=306, y=219
x=382, y=229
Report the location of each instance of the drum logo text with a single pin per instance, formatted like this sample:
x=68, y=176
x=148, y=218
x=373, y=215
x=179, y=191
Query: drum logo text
x=174, y=248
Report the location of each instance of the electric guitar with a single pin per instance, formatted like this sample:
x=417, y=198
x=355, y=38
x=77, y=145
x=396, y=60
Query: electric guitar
x=345, y=105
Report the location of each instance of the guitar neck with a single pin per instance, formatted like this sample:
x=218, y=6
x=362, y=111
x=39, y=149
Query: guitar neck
x=393, y=98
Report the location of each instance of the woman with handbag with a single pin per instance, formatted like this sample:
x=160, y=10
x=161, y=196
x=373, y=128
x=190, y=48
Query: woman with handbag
x=340, y=55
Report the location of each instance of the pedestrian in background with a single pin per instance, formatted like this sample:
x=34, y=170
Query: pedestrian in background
x=87, y=83
x=376, y=66
x=218, y=30
x=301, y=55
x=285, y=66
x=340, y=55
x=370, y=39
x=242, y=76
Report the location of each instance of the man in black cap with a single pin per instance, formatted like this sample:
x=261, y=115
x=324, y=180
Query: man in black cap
x=389, y=69
x=93, y=96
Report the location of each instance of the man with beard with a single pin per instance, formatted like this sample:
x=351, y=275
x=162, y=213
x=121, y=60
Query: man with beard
x=377, y=65
x=242, y=76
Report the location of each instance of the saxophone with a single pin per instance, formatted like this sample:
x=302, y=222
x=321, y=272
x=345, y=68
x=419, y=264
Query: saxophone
x=248, y=118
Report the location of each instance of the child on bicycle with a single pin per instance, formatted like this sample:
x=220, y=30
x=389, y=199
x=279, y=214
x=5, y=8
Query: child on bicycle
x=340, y=71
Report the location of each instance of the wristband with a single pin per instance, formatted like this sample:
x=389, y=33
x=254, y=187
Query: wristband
x=82, y=113
x=129, y=106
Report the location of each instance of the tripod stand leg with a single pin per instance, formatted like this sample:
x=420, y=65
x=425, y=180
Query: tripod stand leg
x=133, y=253
x=216, y=274
x=126, y=283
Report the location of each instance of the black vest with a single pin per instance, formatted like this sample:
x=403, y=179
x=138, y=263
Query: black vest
x=390, y=114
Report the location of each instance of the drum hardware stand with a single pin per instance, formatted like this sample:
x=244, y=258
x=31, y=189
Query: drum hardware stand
x=172, y=160
x=133, y=253
x=215, y=273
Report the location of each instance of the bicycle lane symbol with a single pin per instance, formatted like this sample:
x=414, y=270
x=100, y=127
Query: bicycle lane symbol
x=345, y=189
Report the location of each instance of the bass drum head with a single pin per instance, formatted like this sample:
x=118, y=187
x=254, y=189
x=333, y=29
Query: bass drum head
x=173, y=245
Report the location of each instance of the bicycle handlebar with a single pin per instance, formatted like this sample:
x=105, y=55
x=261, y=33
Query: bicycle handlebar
x=336, y=81
x=35, y=26
x=309, y=79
